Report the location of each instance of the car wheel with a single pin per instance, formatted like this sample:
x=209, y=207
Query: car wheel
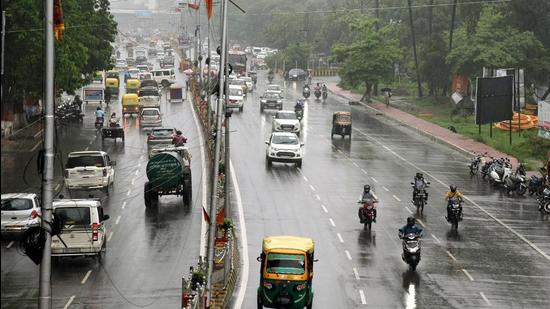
x=268, y=161
x=241, y=108
x=299, y=164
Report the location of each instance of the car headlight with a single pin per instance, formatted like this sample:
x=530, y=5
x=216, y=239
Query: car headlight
x=263, y=101
x=274, y=149
x=279, y=101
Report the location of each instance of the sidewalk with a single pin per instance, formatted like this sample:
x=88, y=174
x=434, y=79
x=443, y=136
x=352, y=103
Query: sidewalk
x=23, y=140
x=438, y=134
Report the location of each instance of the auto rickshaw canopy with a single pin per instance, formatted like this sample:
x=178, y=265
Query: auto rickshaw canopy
x=282, y=243
x=341, y=118
x=133, y=83
x=130, y=99
x=111, y=82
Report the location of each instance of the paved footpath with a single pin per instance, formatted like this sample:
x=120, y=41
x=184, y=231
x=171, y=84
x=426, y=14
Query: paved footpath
x=465, y=145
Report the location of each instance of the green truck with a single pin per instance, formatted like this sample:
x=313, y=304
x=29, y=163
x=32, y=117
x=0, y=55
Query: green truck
x=168, y=173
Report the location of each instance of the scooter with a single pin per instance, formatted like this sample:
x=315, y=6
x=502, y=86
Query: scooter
x=306, y=92
x=474, y=164
x=411, y=250
x=516, y=181
x=366, y=214
x=99, y=122
x=325, y=95
x=455, y=214
x=317, y=93
x=535, y=185
x=544, y=201
x=419, y=198
x=500, y=170
x=299, y=113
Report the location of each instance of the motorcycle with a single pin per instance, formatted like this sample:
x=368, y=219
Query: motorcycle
x=366, y=214
x=455, y=214
x=420, y=197
x=411, y=250
x=516, y=181
x=474, y=164
x=544, y=201
x=486, y=167
x=325, y=95
x=536, y=185
x=500, y=170
x=306, y=92
x=299, y=113
x=317, y=93
x=99, y=122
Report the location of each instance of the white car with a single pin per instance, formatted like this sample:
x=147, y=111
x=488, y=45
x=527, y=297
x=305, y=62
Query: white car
x=84, y=231
x=89, y=170
x=150, y=117
x=121, y=64
x=286, y=121
x=249, y=83
x=284, y=147
x=236, y=97
x=134, y=73
x=20, y=211
x=275, y=88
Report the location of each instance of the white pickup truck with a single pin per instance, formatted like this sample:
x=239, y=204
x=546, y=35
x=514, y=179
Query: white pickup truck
x=89, y=170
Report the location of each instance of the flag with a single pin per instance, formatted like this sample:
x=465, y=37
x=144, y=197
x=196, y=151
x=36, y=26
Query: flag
x=209, y=6
x=205, y=215
x=58, y=23
x=220, y=217
x=194, y=6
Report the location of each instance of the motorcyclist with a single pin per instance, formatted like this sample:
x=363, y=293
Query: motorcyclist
x=419, y=183
x=452, y=196
x=77, y=102
x=113, y=121
x=107, y=95
x=368, y=197
x=99, y=114
x=324, y=88
x=299, y=105
x=410, y=228
x=179, y=139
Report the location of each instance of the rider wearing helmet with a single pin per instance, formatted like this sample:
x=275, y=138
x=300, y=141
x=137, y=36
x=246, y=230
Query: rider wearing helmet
x=452, y=195
x=368, y=196
x=410, y=228
x=179, y=139
x=299, y=105
x=419, y=183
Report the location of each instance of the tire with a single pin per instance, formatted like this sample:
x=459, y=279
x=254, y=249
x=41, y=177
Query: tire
x=546, y=208
x=241, y=108
x=259, y=302
x=187, y=193
x=421, y=206
x=147, y=194
x=368, y=225
x=522, y=190
x=106, y=190
x=268, y=161
x=299, y=164
x=261, y=108
x=165, y=83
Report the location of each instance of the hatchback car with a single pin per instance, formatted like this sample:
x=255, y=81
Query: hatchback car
x=20, y=211
x=286, y=121
x=271, y=100
x=150, y=116
x=284, y=147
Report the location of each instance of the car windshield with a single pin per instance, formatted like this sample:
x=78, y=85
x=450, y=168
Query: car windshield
x=163, y=133
x=285, y=116
x=274, y=88
x=237, y=82
x=82, y=161
x=235, y=92
x=150, y=112
x=10, y=204
x=148, y=92
x=279, y=263
x=271, y=96
x=294, y=72
x=285, y=140
x=73, y=215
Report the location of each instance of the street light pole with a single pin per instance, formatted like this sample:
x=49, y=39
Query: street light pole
x=45, y=288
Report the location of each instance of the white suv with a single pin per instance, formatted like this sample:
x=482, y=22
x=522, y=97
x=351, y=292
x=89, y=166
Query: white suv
x=20, y=211
x=84, y=231
x=284, y=147
x=286, y=121
x=89, y=170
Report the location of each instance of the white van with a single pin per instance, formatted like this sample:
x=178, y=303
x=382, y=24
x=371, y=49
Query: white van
x=165, y=77
x=236, y=97
x=84, y=232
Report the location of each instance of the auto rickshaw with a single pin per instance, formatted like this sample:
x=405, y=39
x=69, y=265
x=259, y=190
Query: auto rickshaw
x=341, y=124
x=132, y=85
x=286, y=272
x=130, y=104
x=112, y=85
x=176, y=93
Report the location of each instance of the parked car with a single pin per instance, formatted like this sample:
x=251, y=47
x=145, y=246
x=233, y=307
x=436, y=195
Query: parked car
x=159, y=137
x=286, y=121
x=284, y=147
x=150, y=117
x=84, y=232
x=89, y=170
x=20, y=211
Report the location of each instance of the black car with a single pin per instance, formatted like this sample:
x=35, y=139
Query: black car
x=297, y=74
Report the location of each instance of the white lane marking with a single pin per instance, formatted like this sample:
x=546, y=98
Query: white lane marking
x=244, y=276
x=363, y=298
x=10, y=244
x=374, y=179
x=387, y=190
x=137, y=172
x=452, y=257
x=364, y=172
x=396, y=198
x=305, y=178
x=436, y=239
x=421, y=223
x=332, y=222
x=110, y=236
x=141, y=157
x=139, y=165
x=324, y=208
x=410, y=211
x=544, y=254
x=312, y=188
x=485, y=298
x=133, y=181
x=340, y=151
x=129, y=191
x=340, y=237
x=57, y=187
x=91, y=142
x=356, y=274
x=86, y=149
x=36, y=146
x=355, y=164
x=69, y=302
x=468, y=274
x=347, y=254
x=117, y=219
x=123, y=204
x=317, y=197
x=86, y=277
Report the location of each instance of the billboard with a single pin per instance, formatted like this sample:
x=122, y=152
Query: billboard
x=494, y=99
x=544, y=119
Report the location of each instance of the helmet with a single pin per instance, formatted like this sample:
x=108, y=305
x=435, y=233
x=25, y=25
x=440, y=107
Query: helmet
x=113, y=114
x=366, y=188
x=411, y=221
x=453, y=188
x=419, y=175
x=98, y=108
x=178, y=132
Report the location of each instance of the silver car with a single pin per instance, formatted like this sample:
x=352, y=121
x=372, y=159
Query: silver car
x=159, y=137
x=150, y=116
x=20, y=211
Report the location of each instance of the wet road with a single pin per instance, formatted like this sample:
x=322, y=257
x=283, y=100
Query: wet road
x=499, y=257
x=147, y=251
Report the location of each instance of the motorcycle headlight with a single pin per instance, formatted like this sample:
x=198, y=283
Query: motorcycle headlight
x=263, y=101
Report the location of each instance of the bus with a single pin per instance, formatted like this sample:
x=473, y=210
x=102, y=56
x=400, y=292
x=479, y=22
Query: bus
x=238, y=60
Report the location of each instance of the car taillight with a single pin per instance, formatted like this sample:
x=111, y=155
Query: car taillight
x=95, y=232
x=34, y=214
x=158, y=117
x=104, y=172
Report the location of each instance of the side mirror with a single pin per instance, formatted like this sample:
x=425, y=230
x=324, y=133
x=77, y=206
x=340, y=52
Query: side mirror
x=259, y=259
x=302, y=144
x=267, y=142
x=428, y=182
x=412, y=183
x=316, y=260
x=112, y=163
x=105, y=217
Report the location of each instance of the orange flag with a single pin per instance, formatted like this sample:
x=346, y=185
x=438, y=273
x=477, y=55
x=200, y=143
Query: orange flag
x=209, y=7
x=58, y=23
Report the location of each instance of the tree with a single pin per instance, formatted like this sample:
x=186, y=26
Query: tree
x=433, y=67
x=370, y=57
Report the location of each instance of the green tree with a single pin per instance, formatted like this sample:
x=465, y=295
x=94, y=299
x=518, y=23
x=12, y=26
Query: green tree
x=433, y=67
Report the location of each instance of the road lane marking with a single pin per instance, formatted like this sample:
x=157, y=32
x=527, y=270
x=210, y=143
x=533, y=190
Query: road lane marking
x=139, y=165
x=410, y=211
x=129, y=191
x=355, y=164
x=340, y=237
x=324, y=208
x=317, y=197
x=141, y=157
x=421, y=223
x=123, y=204
x=387, y=190
x=118, y=219
x=137, y=172
x=453, y=258
x=436, y=239
x=364, y=172
x=347, y=254
x=312, y=188
x=374, y=179
x=36, y=146
x=10, y=244
x=91, y=142
x=244, y=277
x=467, y=274
x=68, y=304
x=356, y=274
x=110, y=236
x=363, y=298
x=133, y=181
x=485, y=298
x=396, y=198
x=86, y=149
x=305, y=178
x=57, y=187
x=532, y=245
x=332, y=222
x=86, y=277
x=337, y=149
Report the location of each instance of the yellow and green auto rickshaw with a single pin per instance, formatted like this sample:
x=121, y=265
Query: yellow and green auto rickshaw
x=132, y=85
x=112, y=85
x=341, y=124
x=286, y=272
x=130, y=103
